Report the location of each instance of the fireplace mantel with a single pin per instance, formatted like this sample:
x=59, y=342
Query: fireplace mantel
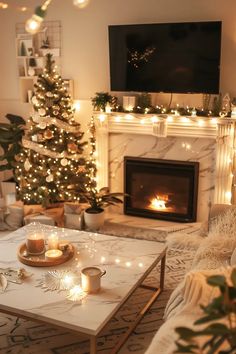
x=222, y=130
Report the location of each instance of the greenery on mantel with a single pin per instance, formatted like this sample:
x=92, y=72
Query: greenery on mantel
x=102, y=99
x=217, y=333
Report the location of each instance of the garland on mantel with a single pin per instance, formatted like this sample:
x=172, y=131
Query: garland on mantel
x=220, y=107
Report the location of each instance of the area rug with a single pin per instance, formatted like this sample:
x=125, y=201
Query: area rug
x=18, y=336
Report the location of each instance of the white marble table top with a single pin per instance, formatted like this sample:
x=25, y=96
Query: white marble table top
x=125, y=260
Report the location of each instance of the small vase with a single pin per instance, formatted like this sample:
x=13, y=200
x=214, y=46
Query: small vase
x=94, y=219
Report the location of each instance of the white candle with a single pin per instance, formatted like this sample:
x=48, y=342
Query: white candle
x=53, y=242
x=51, y=255
x=35, y=243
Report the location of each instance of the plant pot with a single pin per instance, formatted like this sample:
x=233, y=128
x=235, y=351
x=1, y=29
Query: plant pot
x=94, y=219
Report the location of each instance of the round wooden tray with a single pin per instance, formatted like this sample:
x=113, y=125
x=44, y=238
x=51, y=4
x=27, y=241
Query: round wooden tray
x=40, y=261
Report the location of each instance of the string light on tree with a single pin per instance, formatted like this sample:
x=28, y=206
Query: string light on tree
x=51, y=144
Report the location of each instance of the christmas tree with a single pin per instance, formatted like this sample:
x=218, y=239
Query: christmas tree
x=51, y=167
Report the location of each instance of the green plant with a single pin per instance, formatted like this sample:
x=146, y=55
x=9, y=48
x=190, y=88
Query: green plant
x=10, y=140
x=101, y=99
x=221, y=307
x=101, y=199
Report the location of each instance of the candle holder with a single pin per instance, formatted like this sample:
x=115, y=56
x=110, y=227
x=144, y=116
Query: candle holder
x=35, y=239
x=52, y=241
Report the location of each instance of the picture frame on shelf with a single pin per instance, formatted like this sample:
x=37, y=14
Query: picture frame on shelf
x=25, y=47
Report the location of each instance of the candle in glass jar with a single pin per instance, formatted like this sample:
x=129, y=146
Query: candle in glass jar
x=51, y=255
x=35, y=243
x=53, y=242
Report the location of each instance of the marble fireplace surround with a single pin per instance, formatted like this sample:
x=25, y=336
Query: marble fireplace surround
x=210, y=141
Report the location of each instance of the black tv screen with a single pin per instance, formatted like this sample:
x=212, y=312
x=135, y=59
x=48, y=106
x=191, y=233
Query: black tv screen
x=165, y=57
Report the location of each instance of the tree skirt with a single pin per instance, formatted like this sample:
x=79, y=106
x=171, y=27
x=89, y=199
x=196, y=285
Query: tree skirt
x=18, y=336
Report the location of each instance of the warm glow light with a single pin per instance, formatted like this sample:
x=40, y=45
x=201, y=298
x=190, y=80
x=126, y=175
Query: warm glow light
x=158, y=203
x=200, y=122
x=228, y=195
x=170, y=119
x=76, y=293
x=33, y=24
x=185, y=119
x=102, y=117
x=128, y=264
x=129, y=116
x=214, y=120
x=118, y=119
x=81, y=3
x=154, y=119
x=3, y=5
x=77, y=106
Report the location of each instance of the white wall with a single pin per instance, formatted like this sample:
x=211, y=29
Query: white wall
x=85, y=41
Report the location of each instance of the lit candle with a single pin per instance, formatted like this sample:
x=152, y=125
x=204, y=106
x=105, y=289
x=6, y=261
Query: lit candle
x=35, y=243
x=51, y=255
x=53, y=242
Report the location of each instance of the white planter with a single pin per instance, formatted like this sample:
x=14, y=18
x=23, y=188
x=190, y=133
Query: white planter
x=93, y=221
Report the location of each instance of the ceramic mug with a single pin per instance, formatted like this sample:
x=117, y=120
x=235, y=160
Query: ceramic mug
x=91, y=279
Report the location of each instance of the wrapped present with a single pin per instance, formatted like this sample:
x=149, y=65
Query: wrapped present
x=42, y=219
x=74, y=221
x=73, y=216
x=8, y=187
x=54, y=213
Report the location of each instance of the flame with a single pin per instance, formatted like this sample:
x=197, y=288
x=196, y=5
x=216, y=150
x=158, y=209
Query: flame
x=159, y=202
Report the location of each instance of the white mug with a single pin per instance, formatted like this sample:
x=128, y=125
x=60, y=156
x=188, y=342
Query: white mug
x=91, y=279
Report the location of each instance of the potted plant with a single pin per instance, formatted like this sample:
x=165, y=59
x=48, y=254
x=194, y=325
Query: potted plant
x=98, y=200
x=10, y=140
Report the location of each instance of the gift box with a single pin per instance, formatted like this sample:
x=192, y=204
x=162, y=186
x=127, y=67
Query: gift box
x=42, y=219
x=74, y=221
x=73, y=216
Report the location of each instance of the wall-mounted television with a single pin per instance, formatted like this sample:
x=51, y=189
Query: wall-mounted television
x=165, y=57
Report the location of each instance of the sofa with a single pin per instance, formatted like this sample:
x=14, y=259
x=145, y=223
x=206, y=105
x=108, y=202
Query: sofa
x=214, y=253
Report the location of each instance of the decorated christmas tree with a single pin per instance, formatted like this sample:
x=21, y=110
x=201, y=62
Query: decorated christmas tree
x=51, y=167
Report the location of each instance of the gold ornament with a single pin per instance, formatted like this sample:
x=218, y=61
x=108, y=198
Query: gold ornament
x=64, y=162
x=49, y=94
x=72, y=147
x=42, y=112
x=48, y=134
x=27, y=165
x=34, y=100
x=55, y=113
x=36, y=117
x=49, y=178
x=42, y=125
x=64, y=115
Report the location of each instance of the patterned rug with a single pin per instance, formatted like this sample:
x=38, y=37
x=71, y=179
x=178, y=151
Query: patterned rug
x=18, y=336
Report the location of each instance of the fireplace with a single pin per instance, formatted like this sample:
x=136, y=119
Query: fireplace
x=161, y=189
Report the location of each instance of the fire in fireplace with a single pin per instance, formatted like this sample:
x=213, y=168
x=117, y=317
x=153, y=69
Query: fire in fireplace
x=161, y=189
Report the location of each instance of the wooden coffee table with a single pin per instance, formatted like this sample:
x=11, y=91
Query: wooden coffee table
x=127, y=262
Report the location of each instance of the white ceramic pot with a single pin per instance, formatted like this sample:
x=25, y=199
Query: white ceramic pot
x=93, y=219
